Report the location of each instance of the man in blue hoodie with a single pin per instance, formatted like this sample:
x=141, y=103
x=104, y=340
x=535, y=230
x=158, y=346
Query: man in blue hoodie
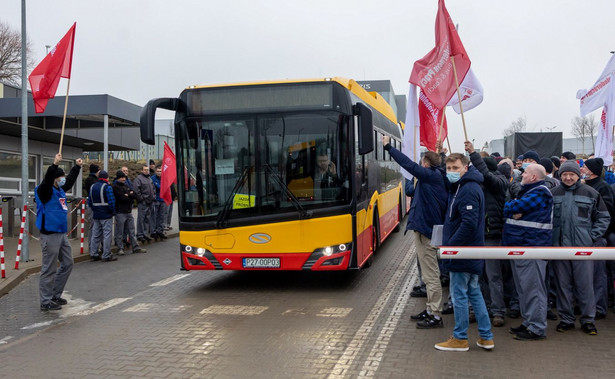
x=464, y=225
x=427, y=209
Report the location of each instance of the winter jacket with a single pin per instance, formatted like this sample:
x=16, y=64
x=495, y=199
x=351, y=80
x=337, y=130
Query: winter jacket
x=144, y=189
x=156, y=181
x=535, y=204
x=430, y=194
x=465, y=220
x=101, y=200
x=124, y=197
x=51, y=208
x=89, y=181
x=495, y=186
x=580, y=217
x=605, y=190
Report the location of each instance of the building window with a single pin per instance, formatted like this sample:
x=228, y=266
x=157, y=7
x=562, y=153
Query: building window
x=10, y=173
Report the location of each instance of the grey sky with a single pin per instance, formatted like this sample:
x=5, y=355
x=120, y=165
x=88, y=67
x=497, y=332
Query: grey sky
x=531, y=56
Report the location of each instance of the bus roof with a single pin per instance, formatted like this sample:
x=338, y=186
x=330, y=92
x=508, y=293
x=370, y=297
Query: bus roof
x=371, y=98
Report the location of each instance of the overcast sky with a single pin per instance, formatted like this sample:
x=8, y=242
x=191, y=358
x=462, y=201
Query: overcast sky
x=530, y=55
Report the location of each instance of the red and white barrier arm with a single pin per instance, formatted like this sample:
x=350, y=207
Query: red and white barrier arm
x=2, y=268
x=525, y=252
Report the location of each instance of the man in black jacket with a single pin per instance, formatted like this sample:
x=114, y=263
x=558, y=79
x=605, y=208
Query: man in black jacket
x=124, y=198
x=494, y=187
x=89, y=181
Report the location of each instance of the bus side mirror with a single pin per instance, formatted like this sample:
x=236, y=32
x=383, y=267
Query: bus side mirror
x=365, y=128
x=149, y=112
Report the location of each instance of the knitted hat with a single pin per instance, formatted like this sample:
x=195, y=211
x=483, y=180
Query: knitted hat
x=103, y=175
x=547, y=164
x=495, y=154
x=531, y=155
x=520, y=157
x=568, y=155
x=94, y=168
x=120, y=174
x=492, y=165
x=595, y=165
x=59, y=172
x=556, y=161
x=570, y=166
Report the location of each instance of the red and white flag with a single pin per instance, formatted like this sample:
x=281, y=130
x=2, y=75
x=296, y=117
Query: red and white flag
x=168, y=175
x=430, y=118
x=411, y=142
x=434, y=72
x=45, y=77
x=471, y=92
x=602, y=94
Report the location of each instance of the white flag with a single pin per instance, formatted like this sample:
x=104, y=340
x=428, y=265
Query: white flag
x=471, y=92
x=411, y=143
x=600, y=92
x=604, y=138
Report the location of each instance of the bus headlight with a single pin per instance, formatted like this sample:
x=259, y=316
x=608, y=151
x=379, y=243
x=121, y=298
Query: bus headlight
x=200, y=251
x=327, y=251
x=188, y=249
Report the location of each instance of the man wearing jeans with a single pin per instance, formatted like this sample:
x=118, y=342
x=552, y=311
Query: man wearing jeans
x=464, y=225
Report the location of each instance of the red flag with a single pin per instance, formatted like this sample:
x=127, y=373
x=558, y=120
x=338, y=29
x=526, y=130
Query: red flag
x=434, y=72
x=430, y=118
x=168, y=175
x=57, y=64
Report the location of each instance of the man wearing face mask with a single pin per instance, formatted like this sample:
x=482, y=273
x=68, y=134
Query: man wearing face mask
x=528, y=223
x=51, y=211
x=528, y=158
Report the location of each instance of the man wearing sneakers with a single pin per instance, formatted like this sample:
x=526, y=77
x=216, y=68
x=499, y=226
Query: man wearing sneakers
x=51, y=211
x=124, y=221
x=528, y=223
x=427, y=209
x=464, y=225
x=580, y=218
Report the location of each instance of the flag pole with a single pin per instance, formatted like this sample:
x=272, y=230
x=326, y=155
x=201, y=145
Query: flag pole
x=64, y=117
x=449, y=144
x=441, y=129
x=463, y=120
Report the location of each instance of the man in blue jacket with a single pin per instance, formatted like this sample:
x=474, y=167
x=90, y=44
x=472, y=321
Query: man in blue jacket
x=427, y=209
x=464, y=225
x=102, y=202
x=51, y=211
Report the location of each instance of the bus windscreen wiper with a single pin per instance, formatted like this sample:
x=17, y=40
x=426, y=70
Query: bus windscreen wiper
x=303, y=214
x=223, y=216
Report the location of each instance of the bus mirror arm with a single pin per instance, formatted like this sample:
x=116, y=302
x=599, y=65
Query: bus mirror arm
x=148, y=114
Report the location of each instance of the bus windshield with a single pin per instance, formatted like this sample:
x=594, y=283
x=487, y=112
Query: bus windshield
x=243, y=166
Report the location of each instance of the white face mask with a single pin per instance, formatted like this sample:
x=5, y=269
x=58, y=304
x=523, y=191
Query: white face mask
x=62, y=181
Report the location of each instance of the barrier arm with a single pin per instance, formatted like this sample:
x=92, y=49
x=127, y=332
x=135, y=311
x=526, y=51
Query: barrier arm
x=526, y=252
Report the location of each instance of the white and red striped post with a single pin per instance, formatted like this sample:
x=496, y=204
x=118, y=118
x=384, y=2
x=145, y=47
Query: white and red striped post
x=82, y=224
x=2, y=247
x=21, y=233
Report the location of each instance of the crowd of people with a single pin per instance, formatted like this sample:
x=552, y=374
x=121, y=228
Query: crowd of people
x=481, y=199
x=107, y=204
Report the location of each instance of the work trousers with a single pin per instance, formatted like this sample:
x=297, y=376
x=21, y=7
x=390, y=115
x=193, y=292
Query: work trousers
x=160, y=217
x=529, y=276
x=54, y=247
x=575, y=278
x=125, y=225
x=101, y=232
x=143, y=219
x=430, y=272
x=601, y=286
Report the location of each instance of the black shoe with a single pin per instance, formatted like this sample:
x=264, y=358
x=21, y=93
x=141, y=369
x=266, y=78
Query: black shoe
x=51, y=306
x=146, y=238
x=518, y=329
x=551, y=315
x=448, y=310
x=141, y=239
x=430, y=322
x=564, y=326
x=94, y=258
x=419, y=293
x=589, y=328
x=420, y=316
x=528, y=335
x=599, y=316
x=59, y=300
x=416, y=288
x=514, y=313
x=162, y=236
x=139, y=250
x=110, y=259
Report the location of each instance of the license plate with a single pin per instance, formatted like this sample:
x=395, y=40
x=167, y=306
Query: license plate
x=261, y=263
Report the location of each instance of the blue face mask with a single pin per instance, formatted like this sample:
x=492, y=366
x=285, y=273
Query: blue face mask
x=453, y=176
x=524, y=166
x=62, y=181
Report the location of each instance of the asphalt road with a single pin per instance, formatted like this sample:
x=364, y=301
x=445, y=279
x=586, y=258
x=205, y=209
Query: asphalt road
x=142, y=317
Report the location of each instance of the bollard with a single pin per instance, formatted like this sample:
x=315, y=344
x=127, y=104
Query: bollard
x=82, y=224
x=2, y=247
x=21, y=232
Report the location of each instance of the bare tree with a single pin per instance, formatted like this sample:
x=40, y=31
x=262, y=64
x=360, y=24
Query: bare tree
x=583, y=128
x=518, y=125
x=10, y=55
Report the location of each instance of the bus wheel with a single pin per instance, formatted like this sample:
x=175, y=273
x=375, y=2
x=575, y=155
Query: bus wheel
x=375, y=232
x=398, y=227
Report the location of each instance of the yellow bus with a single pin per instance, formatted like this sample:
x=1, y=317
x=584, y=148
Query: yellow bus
x=285, y=175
